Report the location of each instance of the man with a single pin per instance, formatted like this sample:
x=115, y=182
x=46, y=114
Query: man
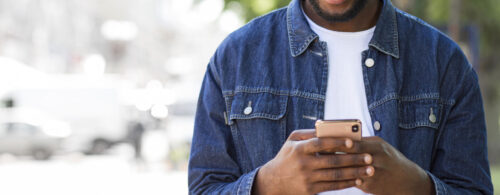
x=411, y=86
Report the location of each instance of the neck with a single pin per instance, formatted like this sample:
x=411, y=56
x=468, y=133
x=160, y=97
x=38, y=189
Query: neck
x=365, y=19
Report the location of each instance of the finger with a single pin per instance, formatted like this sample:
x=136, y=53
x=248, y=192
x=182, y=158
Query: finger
x=341, y=160
x=371, y=145
x=326, y=145
x=341, y=174
x=302, y=134
x=335, y=185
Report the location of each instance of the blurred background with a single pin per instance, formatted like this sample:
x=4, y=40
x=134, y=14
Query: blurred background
x=98, y=97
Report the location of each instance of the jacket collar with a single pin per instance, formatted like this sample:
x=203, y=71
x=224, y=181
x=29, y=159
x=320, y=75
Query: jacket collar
x=385, y=38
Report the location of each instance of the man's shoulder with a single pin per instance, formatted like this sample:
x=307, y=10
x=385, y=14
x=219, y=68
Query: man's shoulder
x=414, y=29
x=427, y=48
x=429, y=43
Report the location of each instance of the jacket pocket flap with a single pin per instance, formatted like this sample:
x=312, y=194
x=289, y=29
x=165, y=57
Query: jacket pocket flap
x=258, y=105
x=420, y=113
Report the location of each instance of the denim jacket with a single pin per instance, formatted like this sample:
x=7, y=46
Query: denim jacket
x=269, y=78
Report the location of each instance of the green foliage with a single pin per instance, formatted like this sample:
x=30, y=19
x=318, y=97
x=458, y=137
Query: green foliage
x=436, y=11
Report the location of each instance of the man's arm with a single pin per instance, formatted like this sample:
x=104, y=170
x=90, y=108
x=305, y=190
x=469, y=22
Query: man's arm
x=212, y=165
x=460, y=164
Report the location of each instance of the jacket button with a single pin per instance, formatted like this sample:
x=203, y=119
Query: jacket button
x=376, y=126
x=432, y=117
x=247, y=110
x=369, y=62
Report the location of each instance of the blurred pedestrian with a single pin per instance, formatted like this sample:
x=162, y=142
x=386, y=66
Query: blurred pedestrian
x=135, y=134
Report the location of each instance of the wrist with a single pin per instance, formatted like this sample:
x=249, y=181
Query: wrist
x=428, y=184
x=425, y=184
x=260, y=185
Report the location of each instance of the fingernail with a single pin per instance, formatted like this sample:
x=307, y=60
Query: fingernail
x=368, y=159
x=369, y=171
x=348, y=143
x=359, y=182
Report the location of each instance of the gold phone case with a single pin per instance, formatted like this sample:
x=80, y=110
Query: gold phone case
x=339, y=128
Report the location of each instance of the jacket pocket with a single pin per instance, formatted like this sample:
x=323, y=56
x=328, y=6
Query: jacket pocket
x=420, y=113
x=258, y=105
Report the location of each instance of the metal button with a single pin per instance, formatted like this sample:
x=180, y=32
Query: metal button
x=376, y=126
x=432, y=117
x=248, y=109
x=369, y=62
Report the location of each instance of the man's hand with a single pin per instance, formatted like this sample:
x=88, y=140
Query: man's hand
x=394, y=173
x=299, y=169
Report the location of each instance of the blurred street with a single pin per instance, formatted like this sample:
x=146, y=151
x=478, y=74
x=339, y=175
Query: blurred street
x=96, y=175
x=98, y=97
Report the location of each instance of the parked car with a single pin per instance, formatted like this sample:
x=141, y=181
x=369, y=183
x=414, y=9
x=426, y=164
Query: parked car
x=24, y=138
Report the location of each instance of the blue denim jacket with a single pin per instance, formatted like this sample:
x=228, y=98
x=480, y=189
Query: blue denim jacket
x=276, y=66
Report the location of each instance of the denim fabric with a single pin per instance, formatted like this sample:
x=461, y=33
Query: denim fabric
x=276, y=66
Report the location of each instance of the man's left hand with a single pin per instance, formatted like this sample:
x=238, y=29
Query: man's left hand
x=394, y=173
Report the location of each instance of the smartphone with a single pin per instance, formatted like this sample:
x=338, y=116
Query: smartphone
x=350, y=128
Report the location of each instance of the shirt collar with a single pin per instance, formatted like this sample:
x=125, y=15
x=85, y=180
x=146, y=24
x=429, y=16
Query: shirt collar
x=385, y=38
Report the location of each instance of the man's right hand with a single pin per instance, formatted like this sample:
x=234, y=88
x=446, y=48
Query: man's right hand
x=298, y=168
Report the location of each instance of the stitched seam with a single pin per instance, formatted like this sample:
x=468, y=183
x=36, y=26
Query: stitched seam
x=426, y=96
x=418, y=124
x=228, y=100
x=239, y=186
x=248, y=184
x=319, y=97
x=237, y=146
x=296, y=93
x=291, y=34
x=444, y=189
x=257, y=115
x=395, y=29
x=387, y=98
x=291, y=95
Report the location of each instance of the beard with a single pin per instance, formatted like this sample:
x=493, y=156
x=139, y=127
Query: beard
x=344, y=17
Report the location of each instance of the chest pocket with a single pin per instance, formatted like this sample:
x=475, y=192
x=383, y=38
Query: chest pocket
x=245, y=106
x=420, y=113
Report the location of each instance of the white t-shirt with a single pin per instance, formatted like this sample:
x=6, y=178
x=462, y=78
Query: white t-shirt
x=345, y=92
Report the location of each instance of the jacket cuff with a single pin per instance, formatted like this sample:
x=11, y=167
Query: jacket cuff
x=439, y=186
x=246, y=184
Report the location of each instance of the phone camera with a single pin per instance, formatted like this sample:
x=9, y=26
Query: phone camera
x=355, y=128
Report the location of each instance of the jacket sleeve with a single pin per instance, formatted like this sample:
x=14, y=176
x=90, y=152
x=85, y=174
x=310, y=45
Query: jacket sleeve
x=213, y=166
x=460, y=163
